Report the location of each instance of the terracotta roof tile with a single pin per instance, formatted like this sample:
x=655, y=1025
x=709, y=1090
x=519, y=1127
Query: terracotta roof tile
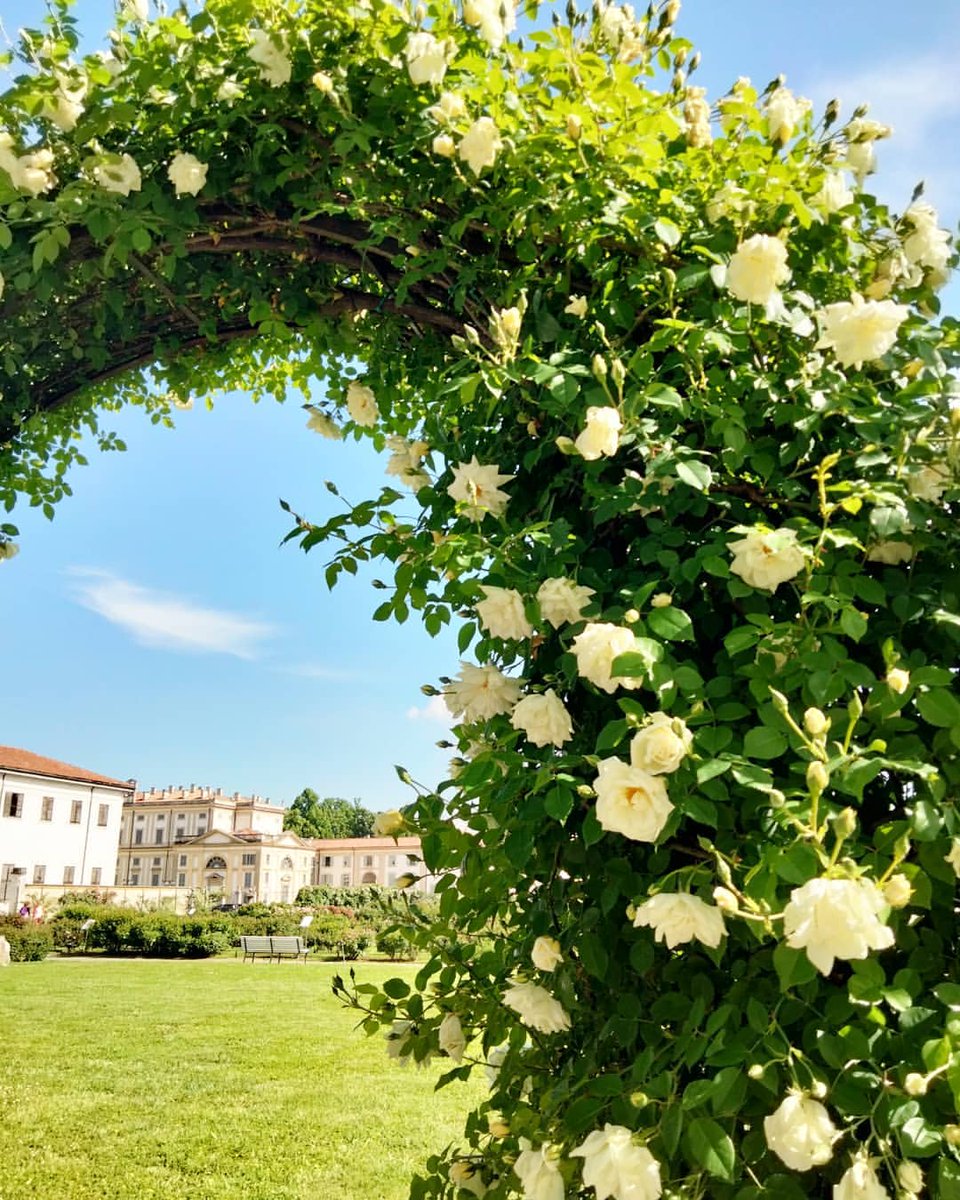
x=12, y=759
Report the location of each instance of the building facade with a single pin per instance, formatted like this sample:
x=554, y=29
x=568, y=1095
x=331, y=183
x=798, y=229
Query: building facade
x=59, y=825
x=356, y=862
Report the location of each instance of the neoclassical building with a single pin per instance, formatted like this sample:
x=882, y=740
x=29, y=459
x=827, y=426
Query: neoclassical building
x=59, y=825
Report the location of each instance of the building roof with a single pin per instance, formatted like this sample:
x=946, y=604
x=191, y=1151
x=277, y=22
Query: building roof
x=365, y=843
x=27, y=763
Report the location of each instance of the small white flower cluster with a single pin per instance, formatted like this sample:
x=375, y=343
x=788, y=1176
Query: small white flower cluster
x=32, y=172
x=493, y=19
x=406, y=462
x=632, y=797
x=615, y=1165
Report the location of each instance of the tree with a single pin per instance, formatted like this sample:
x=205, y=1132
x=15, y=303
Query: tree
x=679, y=422
x=332, y=817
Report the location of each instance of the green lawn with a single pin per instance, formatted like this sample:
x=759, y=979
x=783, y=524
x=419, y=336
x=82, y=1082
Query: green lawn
x=209, y=1080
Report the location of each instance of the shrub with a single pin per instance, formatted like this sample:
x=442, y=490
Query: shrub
x=395, y=944
x=29, y=942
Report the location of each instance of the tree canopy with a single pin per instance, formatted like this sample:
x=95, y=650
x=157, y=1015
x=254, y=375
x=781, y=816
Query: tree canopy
x=678, y=428
x=331, y=817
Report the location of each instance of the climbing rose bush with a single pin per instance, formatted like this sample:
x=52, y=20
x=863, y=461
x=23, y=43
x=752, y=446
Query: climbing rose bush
x=671, y=433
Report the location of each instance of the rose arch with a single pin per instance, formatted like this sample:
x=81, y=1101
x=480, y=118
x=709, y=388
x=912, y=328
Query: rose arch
x=665, y=387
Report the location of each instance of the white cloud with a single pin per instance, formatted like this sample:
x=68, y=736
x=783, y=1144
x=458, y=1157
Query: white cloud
x=433, y=710
x=920, y=98
x=165, y=621
x=319, y=671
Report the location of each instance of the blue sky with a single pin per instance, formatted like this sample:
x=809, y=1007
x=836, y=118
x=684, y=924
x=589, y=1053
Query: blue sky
x=157, y=629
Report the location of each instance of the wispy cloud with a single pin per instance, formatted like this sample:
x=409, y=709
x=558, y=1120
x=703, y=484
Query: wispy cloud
x=920, y=98
x=433, y=710
x=320, y=671
x=166, y=621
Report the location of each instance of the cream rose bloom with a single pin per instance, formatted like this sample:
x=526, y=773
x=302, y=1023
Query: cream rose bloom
x=467, y=1176
x=479, y=693
x=477, y=488
x=766, y=558
x=630, y=801
x=859, y=330
x=546, y=954
x=801, y=1133
x=676, y=917
x=927, y=245
x=537, y=1170
x=362, y=404
x=910, y=1177
x=405, y=462
x=929, y=482
x=501, y=613
x=450, y=107
x=595, y=650
x=757, y=269
x=889, y=552
x=616, y=1167
x=444, y=145
x=836, y=918
x=269, y=52
x=661, y=745
x=480, y=145
x=562, y=601
x=494, y=19
x=388, y=824
x=31, y=173
x=536, y=1008
x=65, y=107
x=600, y=435
x=119, y=174
x=450, y=1037
x=8, y=550
x=784, y=112
x=427, y=57
x=860, y=1182
x=834, y=194
x=322, y=82
x=187, y=174
x=577, y=307
x=320, y=423
x=544, y=719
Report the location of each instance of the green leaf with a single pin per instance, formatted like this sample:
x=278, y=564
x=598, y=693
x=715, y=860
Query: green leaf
x=667, y=231
x=853, y=623
x=763, y=743
x=671, y=1126
x=695, y=474
x=671, y=624
x=939, y=707
x=948, y=994
x=708, y=1146
x=396, y=989
x=593, y=955
x=558, y=802
x=793, y=967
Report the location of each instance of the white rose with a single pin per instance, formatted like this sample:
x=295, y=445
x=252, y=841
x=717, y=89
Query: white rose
x=929, y=482
x=229, y=90
x=322, y=82
x=897, y=891
x=595, y=650
x=801, y=1133
x=444, y=145
x=479, y=693
x=29, y=173
x=480, y=145
x=450, y=107
x=494, y=19
x=927, y=245
x=784, y=112
x=397, y=1037
x=544, y=719
x=561, y=600
x=601, y=434
x=135, y=10
x=501, y=613
x=495, y=1059
x=630, y=801
x=661, y=745
x=388, y=824
x=450, y=1037
x=546, y=954
x=405, y=462
x=269, y=52
x=696, y=117
x=910, y=1177
x=118, y=173
x=891, y=553
x=467, y=1176
x=477, y=488
x=859, y=330
x=577, y=306
x=320, y=423
x=728, y=201
x=661, y=600
x=767, y=558
x=362, y=404
x=538, y=1173
x=187, y=174
x=427, y=57
x=65, y=108
x=536, y=1007
x=898, y=680
x=676, y=917
x=834, y=194
x=615, y=1166
x=836, y=918
x=757, y=269
x=860, y=1182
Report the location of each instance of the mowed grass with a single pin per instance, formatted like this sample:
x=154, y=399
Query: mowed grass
x=209, y=1080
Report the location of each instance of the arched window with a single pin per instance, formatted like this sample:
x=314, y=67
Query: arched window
x=287, y=863
x=369, y=877
x=216, y=863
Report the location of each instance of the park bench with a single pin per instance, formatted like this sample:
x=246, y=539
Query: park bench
x=273, y=947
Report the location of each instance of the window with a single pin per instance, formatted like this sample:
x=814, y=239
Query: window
x=13, y=806
x=327, y=861
x=158, y=839
x=46, y=808
x=138, y=837
x=345, y=879
x=95, y=875
x=249, y=860
x=39, y=873
x=155, y=879
x=182, y=880
x=68, y=874
x=158, y=861
x=135, y=862
x=103, y=814
x=216, y=863
x=248, y=879
x=368, y=860
x=183, y=860
x=346, y=860
x=135, y=879
x=76, y=811
x=287, y=863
